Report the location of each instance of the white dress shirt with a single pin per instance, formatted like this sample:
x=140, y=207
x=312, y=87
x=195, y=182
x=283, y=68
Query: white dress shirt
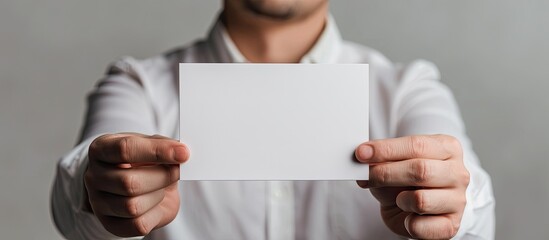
x=142, y=96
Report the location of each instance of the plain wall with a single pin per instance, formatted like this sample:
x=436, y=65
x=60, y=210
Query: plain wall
x=492, y=53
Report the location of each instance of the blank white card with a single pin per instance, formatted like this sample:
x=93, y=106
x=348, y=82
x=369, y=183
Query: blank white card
x=273, y=121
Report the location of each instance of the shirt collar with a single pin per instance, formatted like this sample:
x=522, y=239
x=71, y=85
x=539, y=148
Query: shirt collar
x=325, y=50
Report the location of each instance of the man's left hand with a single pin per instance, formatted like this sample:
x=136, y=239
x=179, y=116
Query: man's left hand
x=420, y=182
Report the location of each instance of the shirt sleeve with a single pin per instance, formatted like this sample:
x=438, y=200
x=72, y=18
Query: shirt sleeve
x=423, y=105
x=119, y=103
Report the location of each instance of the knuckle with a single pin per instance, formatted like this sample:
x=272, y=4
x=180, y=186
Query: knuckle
x=95, y=146
x=452, y=228
x=141, y=226
x=455, y=228
x=463, y=201
x=452, y=144
x=418, y=145
x=447, y=229
x=88, y=178
x=158, y=153
x=466, y=177
x=130, y=184
x=379, y=175
x=421, y=172
x=421, y=203
x=414, y=228
x=132, y=207
x=447, y=232
x=460, y=203
x=124, y=149
x=172, y=174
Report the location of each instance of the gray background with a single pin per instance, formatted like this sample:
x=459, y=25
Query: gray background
x=492, y=53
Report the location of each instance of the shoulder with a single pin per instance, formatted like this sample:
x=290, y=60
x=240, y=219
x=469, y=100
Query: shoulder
x=356, y=53
x=156, y=76
x=393, y=85
x=384, y=69
x=159, y=67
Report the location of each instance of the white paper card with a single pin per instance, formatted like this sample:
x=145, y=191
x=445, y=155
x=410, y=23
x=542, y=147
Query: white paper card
x=273, y=121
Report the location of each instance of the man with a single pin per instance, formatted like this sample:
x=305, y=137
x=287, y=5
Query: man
x=122, y=179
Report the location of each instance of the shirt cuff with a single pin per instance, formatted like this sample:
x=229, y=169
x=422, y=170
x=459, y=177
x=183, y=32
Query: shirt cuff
x=478, y=221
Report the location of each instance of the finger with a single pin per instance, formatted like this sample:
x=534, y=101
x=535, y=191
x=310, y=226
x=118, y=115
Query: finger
x=131, y=181
x=109, y=204
x=395, y=217
x=170, y=204
x=131, y=227
x=432, y=226
x=395, y=149
x=431, y=201
x=123, y=148
x=387, y=196
x=414, y=172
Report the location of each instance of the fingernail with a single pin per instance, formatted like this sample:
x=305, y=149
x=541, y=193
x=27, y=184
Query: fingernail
x=365, y=152
x=362, y=184
x=180, y=154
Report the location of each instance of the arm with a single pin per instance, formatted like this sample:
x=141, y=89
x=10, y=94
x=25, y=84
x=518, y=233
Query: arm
x=118, y=104
x=67, y=198
x=438, y=113
x=443, y=163
x=426, y=106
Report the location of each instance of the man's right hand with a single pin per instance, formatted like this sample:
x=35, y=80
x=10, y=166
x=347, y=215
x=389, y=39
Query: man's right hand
x=131, y=181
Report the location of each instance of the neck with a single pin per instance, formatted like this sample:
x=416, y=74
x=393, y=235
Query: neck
x=263, y=40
